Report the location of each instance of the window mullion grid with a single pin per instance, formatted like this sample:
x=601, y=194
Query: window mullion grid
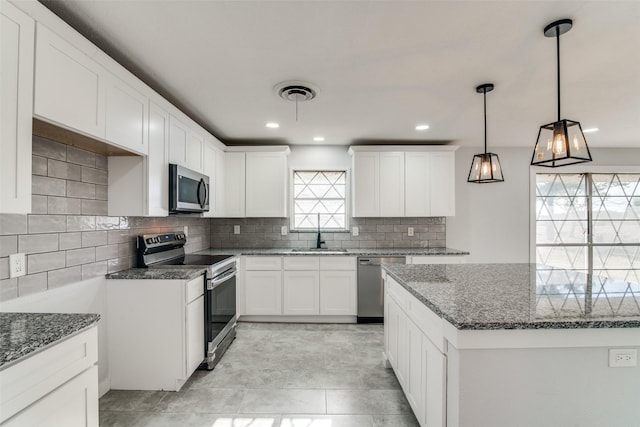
x=588, y=303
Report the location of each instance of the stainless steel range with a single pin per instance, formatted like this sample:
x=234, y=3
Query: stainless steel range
x=158, y=250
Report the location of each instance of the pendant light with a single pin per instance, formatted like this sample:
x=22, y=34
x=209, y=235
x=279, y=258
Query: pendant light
x=485, y=167
x=560, y=143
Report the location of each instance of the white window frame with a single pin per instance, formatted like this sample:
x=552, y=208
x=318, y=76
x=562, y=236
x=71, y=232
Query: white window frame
x=572, y=169
x=347, y=200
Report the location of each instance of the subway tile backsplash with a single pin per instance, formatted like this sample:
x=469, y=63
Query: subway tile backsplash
x=384, y=233
x=69, y=236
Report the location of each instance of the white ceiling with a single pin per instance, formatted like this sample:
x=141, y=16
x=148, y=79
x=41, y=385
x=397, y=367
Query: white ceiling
x=382, y=66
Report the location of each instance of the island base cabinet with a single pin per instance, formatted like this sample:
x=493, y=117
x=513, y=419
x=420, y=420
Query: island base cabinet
x=74, y=404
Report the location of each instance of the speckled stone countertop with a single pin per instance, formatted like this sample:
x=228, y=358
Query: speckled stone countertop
x=22, y=334
x=348, y=252
x=520, y=296
x=161, y=273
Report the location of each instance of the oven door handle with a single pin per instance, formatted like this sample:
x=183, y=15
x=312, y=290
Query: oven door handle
x=213, y=283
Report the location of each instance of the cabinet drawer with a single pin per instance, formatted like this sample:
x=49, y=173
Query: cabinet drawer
x=301, y=263
x=397, y=292
x=29, y=380
x=429, y=322
x=263, y=263
x=195, y=288
x=337, y=263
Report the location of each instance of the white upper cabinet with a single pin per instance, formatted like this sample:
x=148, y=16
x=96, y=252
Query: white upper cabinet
x=158, y=162
x=378, y=184
x=185, y=145
x=126, y=115
x=266, y=184
x=69, y=86
x=391, y=184
x=213, y=166
x=413, y=181
x=366, y=184
x=430, y=183
x=234, y=183
x=256, y=182
x=16, y=49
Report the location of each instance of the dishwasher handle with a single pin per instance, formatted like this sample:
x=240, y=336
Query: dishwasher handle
x=368, y=262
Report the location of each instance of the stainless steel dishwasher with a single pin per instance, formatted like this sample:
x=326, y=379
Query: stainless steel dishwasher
x=370, y=290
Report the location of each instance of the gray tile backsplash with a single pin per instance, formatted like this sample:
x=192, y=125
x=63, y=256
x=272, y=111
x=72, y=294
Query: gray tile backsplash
x=69, y=237
x=373, y=233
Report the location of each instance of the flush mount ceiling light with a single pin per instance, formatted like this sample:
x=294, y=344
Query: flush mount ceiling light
x=296, y=91
x=560, y=143
x=318, y=138
x=422, y=127
x=485, y=167
x=272, y=125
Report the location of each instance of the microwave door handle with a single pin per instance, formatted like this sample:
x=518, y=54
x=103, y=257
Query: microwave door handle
x=202, y=185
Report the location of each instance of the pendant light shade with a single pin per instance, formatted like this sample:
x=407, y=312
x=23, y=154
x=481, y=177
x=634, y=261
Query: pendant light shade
x=562, y=142
x=485, y=167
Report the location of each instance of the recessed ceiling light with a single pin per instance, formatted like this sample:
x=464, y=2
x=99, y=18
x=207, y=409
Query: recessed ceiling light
x=272, y=125
x=318, y=138
x=422, y=127
x=590, y=130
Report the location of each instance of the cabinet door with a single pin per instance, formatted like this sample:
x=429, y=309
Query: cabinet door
x=442, y=182
x=73, y=404
x=234, y=185
x=338, y=293
x=219, y=184
x=69, y=86
x=126, y=115
x=195, y=334
x=434, y=365
x=195, y=145
x=417, y=184
x=402, y=370
x=178, y=142
x=158, y=161
x=415, y=376
x=16, y=48
x=266, y=185
x=263, y=292
x=366, y=184
x=391, y=184
x=301, y=291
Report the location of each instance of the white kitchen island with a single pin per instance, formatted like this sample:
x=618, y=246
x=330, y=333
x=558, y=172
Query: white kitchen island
x=479, y=345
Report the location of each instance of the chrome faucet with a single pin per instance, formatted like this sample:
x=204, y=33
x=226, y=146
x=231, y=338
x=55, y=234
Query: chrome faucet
x=319, y=241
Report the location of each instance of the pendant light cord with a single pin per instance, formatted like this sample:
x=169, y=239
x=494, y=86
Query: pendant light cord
x=484, y=93
x=558, y=58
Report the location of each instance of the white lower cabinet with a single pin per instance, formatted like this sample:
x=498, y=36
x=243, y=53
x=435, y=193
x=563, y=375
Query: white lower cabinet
x=165, y=315
x=55, y=387
x=413, y=346
x=263, y=292
x=299, y=286
x=301, y=293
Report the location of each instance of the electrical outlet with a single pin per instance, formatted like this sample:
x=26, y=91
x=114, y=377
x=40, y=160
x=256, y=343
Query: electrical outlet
x=17, y=265
x=410, y=231
x=283, y=230
x=236, y=229
x=623, y=357
x=355, y=230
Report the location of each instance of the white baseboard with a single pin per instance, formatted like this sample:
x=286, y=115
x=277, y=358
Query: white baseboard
x=299, y=319
x=104, y=386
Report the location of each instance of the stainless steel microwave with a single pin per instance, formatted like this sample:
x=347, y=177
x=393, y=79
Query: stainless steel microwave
x=188, y=190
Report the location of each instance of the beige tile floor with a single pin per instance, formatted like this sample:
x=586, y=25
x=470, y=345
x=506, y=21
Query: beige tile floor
x=278, y=375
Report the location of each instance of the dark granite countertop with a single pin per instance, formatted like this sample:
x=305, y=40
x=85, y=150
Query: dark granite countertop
x=173, y=272
x=520, y=296
x=348, y=252
x=22, y=334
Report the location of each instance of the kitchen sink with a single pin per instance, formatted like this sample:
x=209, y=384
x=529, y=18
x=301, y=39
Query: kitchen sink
x=324, y=250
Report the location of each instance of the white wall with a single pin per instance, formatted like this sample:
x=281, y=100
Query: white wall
x=88, y=296
x=492, y=220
